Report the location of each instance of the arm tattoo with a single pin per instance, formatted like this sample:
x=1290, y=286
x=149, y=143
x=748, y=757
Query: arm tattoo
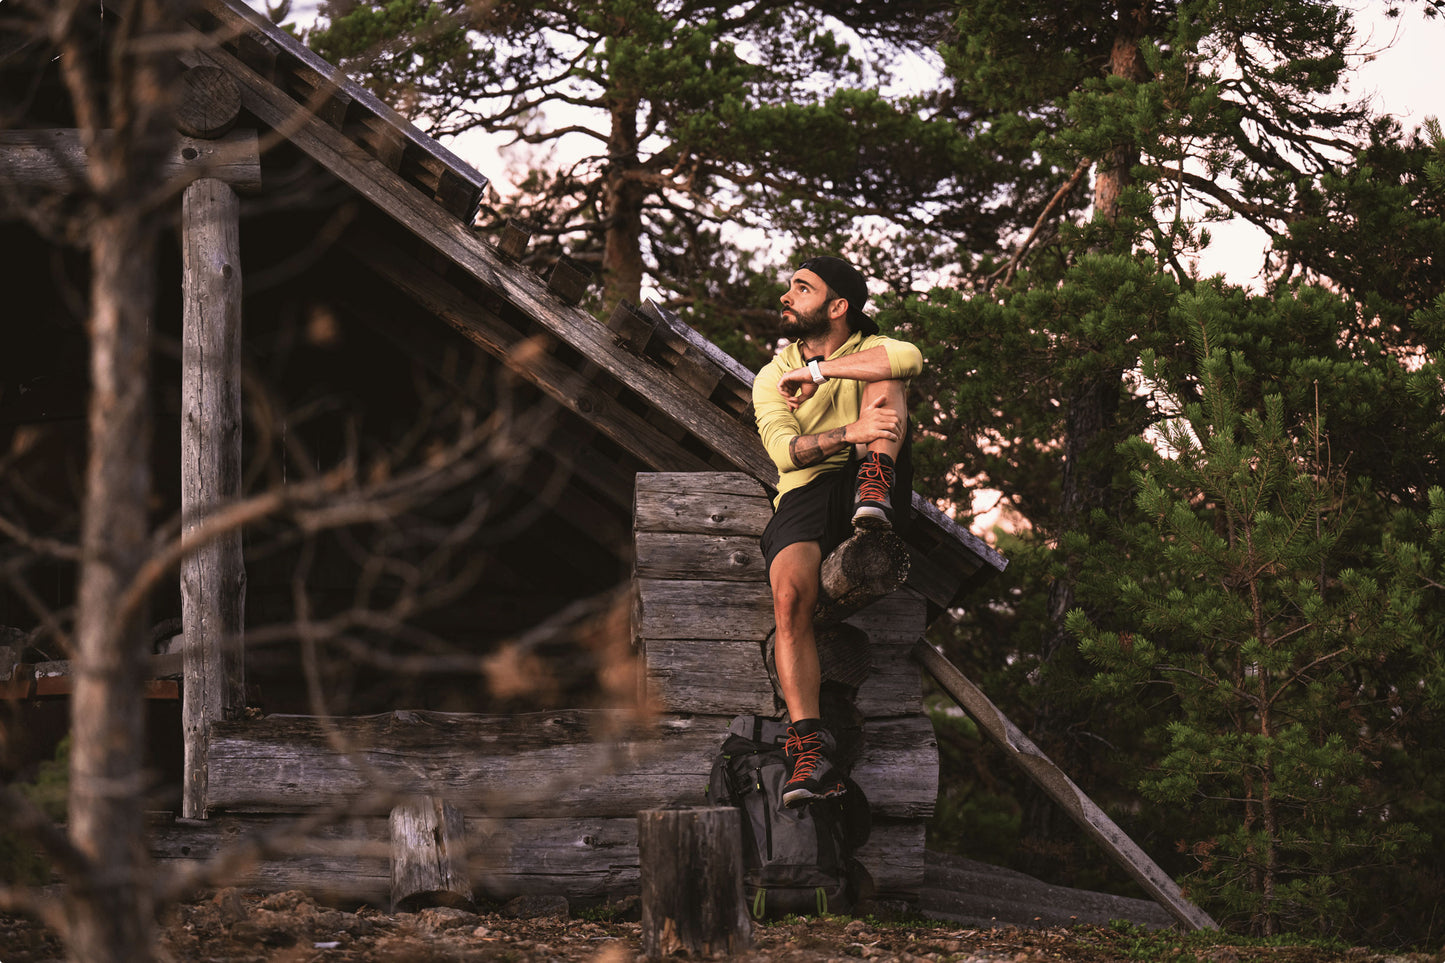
x=808, y=450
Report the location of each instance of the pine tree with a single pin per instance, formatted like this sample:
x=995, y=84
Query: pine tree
x=1245, y=608
x=700, y=118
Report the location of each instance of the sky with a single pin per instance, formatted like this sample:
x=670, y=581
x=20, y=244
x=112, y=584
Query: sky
x=1404, y=77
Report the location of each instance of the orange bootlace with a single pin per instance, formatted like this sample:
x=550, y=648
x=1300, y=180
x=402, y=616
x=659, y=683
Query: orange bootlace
x=806, y=752
x=874, y=480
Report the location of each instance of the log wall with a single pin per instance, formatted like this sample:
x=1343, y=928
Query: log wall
x=550, y=799
x=702, y=612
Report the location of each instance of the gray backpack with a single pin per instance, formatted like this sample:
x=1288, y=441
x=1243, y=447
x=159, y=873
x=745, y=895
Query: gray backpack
x=795, y=861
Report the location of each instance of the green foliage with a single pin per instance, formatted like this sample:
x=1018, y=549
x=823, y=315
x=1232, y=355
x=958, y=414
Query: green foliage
x=20, y=863
x=687, y=117
x=1243, y=606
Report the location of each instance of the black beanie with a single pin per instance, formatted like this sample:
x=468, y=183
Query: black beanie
x=844, y=281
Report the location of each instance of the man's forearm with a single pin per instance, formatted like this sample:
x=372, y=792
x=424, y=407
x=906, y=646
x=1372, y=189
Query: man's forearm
x=806, y=450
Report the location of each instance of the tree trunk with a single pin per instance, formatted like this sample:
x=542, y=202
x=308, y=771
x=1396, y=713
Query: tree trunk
x=1090, y=432
x=622, y=198
x=110, y=909
x=123, y=117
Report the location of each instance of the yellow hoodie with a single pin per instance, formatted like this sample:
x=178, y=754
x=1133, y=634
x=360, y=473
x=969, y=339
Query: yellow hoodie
x=836, y=403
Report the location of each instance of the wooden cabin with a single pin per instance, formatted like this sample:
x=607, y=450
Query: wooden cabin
x=628, y=485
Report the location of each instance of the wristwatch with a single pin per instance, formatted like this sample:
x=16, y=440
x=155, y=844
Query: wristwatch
x=816, y=372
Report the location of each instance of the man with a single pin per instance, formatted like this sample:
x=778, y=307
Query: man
x=832, y=414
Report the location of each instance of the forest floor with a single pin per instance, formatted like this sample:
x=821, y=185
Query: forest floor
x=239, y=928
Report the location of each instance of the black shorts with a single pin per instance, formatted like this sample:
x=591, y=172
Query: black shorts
x=822, y=510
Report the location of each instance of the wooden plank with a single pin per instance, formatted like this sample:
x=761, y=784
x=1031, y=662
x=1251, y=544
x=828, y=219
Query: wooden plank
x=717, y=677
x=1089, y=817
x=673, y=555
x=717, y=482
x=489, y=332
x=212, y=575
x=701, y=511
x=348, y=861
x=512, y=764
x=34, y=680
x=54, y=160
x=717, y=609
x=581, y=858
x=699, y=609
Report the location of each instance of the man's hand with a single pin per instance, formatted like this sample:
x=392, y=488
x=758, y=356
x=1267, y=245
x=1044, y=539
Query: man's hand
x=797, y=387
x=876, y=422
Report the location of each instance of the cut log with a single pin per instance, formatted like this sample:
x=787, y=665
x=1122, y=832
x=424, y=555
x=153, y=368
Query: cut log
x=428, y=856
x=213, y=574
x=209, y=102
x=691, y=862
x=866, y=567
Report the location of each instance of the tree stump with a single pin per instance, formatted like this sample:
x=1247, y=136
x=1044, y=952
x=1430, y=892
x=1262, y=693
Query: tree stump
x=691, y=863
x=428, y=856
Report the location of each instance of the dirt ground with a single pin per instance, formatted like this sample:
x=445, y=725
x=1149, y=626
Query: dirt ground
x=232, y=927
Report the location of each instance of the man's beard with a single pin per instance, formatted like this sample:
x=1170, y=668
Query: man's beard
x=801, y=325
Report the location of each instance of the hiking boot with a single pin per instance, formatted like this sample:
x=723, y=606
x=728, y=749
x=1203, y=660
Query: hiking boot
x=873, y=506
x=813, y=775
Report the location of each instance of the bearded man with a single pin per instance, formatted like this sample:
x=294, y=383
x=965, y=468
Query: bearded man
x=832, y=413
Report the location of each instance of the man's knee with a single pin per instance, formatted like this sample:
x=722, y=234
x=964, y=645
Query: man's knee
x=794, y=580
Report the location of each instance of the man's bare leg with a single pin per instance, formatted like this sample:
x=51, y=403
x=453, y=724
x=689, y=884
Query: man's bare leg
x=794, y=579
x=895, y=394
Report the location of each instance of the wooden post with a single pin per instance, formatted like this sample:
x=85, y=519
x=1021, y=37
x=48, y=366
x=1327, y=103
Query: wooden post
x=428, y=856
x=213, y=576
x=1062, y=789
x=691, y=863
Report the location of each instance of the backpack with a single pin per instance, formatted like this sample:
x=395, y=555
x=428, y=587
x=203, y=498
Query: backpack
x=798, y=861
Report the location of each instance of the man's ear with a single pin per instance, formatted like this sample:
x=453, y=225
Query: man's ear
x=837, y=308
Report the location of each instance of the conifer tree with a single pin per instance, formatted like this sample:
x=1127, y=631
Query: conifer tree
x=1244, y=604
x=694, y=116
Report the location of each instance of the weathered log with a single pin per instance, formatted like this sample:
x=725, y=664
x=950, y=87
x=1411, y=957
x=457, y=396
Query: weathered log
x=54, y=160
x=866, y=567
x=585, y=859
x=1089, y=817
x=510, y=764
x=209, y=102
x=718, y=677
x=691, y=862
x=710, y=503
x=213, y=574
x=428, y=855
